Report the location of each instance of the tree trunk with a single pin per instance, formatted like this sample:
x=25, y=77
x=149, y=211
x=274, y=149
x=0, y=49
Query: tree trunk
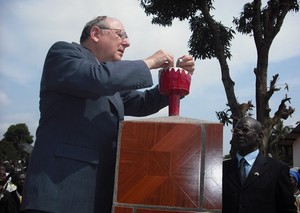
x=228, y=83
x=263, y=37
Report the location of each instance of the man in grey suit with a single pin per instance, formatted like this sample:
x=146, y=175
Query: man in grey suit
x=252, y=182
x=85, y=91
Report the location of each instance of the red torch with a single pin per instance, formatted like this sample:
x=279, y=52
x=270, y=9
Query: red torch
x=174, y=82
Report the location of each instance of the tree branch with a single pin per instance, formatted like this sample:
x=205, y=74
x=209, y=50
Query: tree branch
x=273, y=88
x=283, y=111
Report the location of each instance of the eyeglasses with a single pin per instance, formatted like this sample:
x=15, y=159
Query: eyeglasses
x=121, y=33
x=243, y=130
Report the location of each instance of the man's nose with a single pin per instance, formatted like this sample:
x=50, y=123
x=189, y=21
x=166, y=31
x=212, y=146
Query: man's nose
x=125, y=42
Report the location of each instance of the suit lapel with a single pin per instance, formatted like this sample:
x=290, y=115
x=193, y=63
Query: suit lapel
x=232, y=173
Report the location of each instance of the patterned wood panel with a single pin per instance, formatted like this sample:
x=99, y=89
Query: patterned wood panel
x=160, y=164
x=212, y=194
x=122, y=209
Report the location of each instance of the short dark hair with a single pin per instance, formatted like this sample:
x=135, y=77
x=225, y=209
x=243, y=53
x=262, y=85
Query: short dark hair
x=254, y=123
x=98, y=21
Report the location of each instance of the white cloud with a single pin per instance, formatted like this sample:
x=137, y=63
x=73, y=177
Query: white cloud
x=15, y=72
x=4, y=100
x=287, y=40
x=243, y=46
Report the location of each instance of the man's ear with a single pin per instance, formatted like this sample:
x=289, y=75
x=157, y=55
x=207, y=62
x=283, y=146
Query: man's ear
x=95, y=33
x=260, y=136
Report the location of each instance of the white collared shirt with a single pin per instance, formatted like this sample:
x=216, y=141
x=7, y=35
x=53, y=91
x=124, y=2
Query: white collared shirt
x=250, y=158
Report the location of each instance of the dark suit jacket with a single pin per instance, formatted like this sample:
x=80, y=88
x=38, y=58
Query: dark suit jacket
x=17, y=202
x=81, y=103
x=9, y=203
x=267, y=188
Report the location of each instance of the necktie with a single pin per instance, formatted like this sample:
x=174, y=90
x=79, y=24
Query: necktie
x=242, y=170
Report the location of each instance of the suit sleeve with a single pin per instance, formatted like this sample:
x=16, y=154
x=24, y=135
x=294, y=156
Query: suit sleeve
x=73, y=70
x=285, y=200
x=137, y=103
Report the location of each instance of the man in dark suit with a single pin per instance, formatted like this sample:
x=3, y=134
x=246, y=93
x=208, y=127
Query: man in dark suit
x=85, y=91
x=18, y=179
x=252, y=182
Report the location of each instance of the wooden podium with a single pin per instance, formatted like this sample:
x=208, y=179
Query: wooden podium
x=169, y=164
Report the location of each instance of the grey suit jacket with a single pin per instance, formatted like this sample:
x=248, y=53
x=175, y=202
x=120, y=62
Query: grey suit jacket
x=81, y=103
x=267, y=188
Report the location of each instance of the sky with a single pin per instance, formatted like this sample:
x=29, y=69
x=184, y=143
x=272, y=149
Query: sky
x=30, y=27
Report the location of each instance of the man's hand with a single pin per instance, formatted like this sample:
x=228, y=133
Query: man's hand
x=160, y=59
x=187, y=63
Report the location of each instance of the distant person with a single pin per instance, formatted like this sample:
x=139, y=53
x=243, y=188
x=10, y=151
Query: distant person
x=18, y=179
x=295, y=180
x=6, y=166
x=86, y=89
x=252, y=182
x=6, y=201
x=3, y=176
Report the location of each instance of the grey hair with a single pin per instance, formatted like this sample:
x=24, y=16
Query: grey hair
x=98, y=21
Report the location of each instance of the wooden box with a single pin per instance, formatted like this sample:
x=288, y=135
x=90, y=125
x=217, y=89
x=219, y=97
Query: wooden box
x=169, y=164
